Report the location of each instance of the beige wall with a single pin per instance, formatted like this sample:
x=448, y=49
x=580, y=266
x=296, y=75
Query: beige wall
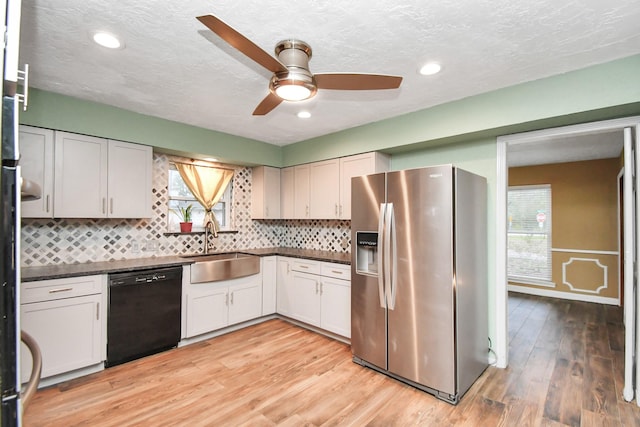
x=584, y=223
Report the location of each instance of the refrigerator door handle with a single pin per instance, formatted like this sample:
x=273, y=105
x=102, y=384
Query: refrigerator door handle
x=380, y=259
x=392, y=265
x=388, y=266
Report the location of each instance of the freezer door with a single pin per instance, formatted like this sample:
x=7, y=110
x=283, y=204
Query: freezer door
x=368, y=315
x=421, y=323
x=9, y=383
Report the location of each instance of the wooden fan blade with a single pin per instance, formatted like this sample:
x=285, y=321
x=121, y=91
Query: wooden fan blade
x=346, y=81
x=243, y=44
x=269, y=103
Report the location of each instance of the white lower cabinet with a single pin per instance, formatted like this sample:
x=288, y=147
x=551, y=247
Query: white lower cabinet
x=317, y=293
x=336, y=306
x=269, y=271
x=66, y=318
x=284, y=282
x=215, y=305
x=245, y=302
x=305, y=294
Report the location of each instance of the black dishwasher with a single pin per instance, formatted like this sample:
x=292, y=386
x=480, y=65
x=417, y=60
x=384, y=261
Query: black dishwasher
x=144, y=313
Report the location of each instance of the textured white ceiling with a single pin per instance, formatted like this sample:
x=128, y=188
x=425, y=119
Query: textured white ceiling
x=174, y=68
x=590, y=146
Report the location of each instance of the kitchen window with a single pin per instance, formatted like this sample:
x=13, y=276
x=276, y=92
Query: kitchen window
x=180, y=196
x=529, y=234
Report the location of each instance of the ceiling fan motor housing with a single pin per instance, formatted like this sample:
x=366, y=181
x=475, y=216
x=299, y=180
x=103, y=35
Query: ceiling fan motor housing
x=295, y=55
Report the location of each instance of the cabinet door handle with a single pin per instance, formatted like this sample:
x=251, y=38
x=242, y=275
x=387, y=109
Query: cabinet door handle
x=226, y=299
x=321, y=287
x=111, y=205
x=336, y=209
x=231, y=298
x=304, y=266
x=104, y=202
x=336, y=272
x=98, y=311
x=55, y=291
x=47, y=203
x=340, y=210
x=317, y=287
x=307, y=210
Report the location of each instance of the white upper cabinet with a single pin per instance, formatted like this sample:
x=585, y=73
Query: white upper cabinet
x=36, y=163
x=80, y=176
x=265, y=193
x=324, y=189
x=97, y=178
x=301, y=176
x=362, y=164
x=129, y=180
x=287, y=193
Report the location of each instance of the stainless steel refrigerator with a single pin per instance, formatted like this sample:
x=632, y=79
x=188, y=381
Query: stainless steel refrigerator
x=419, y=277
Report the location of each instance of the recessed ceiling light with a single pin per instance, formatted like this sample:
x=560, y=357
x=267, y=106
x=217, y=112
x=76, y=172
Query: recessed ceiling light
x=107, y=40
x=430, y=69
x=304, y=114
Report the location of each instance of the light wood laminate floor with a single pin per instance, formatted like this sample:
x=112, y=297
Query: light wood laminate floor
x=565, y=369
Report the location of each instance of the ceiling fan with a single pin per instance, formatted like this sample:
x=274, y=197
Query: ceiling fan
x=292, y=80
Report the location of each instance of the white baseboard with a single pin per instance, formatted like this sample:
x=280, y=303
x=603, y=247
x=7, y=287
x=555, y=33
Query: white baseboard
x=563, y=295
x=66, y=376
x=218, y=332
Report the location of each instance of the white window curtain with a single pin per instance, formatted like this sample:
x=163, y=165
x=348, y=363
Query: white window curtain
x=529, y=234
x=207, y=185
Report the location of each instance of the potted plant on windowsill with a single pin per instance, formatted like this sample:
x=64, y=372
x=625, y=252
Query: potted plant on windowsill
x=184, y=213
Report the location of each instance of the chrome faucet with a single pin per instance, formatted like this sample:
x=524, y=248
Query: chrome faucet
x=208, y=230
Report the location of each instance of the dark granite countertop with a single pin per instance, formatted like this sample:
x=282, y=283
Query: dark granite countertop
x=327, y=256
x=30, y=274
x=58, y=271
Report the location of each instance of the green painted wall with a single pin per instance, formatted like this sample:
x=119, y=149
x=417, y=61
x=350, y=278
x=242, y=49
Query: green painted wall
x=596, y=93
x=478, y=157
x=55, y=111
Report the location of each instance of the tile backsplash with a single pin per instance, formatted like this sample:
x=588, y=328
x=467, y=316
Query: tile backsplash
x=67, y=241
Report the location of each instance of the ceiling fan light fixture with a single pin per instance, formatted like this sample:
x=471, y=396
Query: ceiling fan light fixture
x=292, y=79
x=290, y=92
x=293, y=87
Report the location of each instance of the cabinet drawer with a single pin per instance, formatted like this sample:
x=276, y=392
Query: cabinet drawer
x=337, y=271
x=305, y=266
x=48, y=290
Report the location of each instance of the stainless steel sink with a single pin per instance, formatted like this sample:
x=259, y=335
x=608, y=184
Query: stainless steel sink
x=215, y=267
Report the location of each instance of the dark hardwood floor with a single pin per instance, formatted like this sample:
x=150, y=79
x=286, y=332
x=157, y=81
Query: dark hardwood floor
x=566, y=368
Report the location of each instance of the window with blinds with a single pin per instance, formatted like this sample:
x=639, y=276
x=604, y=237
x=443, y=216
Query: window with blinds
x=529, y=233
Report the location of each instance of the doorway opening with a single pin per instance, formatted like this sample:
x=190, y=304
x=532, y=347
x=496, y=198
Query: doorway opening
x=542, y=144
